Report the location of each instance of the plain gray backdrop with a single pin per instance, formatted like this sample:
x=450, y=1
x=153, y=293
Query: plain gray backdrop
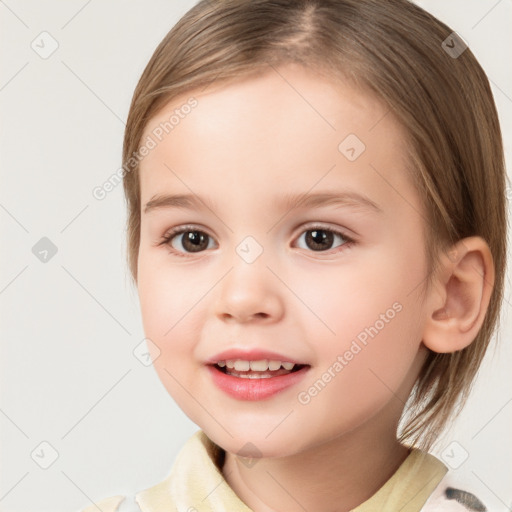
x=81, y=418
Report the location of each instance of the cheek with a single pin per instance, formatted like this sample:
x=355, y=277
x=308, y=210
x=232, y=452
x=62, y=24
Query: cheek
x=360, y=374
x=345, y=300
x=372, y=317
x=166, y=301
x=168, y=293
x=169, y=300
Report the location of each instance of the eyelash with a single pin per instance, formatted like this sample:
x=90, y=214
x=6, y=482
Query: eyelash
x=166, y=239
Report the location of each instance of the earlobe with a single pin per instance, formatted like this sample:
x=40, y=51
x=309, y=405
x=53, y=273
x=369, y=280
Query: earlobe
x=460, y=296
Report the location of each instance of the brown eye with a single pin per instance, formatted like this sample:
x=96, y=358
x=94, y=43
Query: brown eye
x=322, y=239
x=189, y=241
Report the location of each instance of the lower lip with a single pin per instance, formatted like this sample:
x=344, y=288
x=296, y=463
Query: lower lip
x=254, y=389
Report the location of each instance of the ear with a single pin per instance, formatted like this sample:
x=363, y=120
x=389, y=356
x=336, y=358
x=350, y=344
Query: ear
x=460, y=295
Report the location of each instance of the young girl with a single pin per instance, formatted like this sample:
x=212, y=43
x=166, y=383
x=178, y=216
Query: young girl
x=316, y=229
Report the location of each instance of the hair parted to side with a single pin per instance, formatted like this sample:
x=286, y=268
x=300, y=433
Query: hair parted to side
x=392, y=49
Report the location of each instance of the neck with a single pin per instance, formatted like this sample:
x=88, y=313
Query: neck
x=337, y=475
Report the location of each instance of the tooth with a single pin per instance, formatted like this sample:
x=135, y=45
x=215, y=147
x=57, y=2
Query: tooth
x=241, y=365
x=259, y=366
x=274, y=365
x=230, y=363
x=261, y=376
x=221, y=364
x=251, y=376
x=288, y=366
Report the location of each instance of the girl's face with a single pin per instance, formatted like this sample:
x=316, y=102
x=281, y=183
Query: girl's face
x=301, y=241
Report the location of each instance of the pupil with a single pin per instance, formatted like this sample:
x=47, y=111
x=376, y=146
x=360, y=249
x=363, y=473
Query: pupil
x=319, y=239
x=195, y=239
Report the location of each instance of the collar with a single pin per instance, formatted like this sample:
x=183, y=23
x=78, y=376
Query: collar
x=196, y=483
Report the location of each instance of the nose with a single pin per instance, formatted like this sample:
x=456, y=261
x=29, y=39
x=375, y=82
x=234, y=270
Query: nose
x=250, y=292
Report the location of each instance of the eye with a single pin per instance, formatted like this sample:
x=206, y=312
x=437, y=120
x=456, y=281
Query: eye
x=187, y=239
x=320, y=239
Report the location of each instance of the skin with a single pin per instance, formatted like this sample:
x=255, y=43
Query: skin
x=244, y=146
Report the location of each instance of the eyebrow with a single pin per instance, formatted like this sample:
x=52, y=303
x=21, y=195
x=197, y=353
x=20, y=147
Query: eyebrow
x=287, y=202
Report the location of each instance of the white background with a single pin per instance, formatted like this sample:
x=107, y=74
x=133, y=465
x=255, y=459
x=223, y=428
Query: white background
x=69, y=326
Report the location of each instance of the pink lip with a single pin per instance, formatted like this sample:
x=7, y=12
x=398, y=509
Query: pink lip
x=251, y=355
x=254, y=389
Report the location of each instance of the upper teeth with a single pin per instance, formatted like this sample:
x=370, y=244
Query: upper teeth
x=261, y=365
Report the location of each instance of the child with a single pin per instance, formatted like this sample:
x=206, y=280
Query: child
x=317, y=233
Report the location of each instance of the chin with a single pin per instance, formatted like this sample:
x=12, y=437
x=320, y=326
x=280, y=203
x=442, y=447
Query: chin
x=253, y=443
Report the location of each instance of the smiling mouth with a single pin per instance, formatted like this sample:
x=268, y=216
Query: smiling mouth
x=229, y=369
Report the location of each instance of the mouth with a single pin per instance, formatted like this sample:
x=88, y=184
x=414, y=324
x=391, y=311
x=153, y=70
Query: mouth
x=257, y=369
x=256, y=380
x=256, y=373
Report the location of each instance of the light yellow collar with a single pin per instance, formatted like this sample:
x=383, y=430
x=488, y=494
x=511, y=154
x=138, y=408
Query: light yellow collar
x=409, y=487
x=196, y=483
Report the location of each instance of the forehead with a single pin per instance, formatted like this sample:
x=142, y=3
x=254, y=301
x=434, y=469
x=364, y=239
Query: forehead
x=283, y=129
x=291, y=88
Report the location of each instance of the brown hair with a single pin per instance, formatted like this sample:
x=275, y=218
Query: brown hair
x=394, y=49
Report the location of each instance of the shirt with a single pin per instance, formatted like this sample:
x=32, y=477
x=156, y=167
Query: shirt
x=196, y=484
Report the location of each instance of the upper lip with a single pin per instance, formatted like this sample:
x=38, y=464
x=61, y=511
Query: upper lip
x=254, y=354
